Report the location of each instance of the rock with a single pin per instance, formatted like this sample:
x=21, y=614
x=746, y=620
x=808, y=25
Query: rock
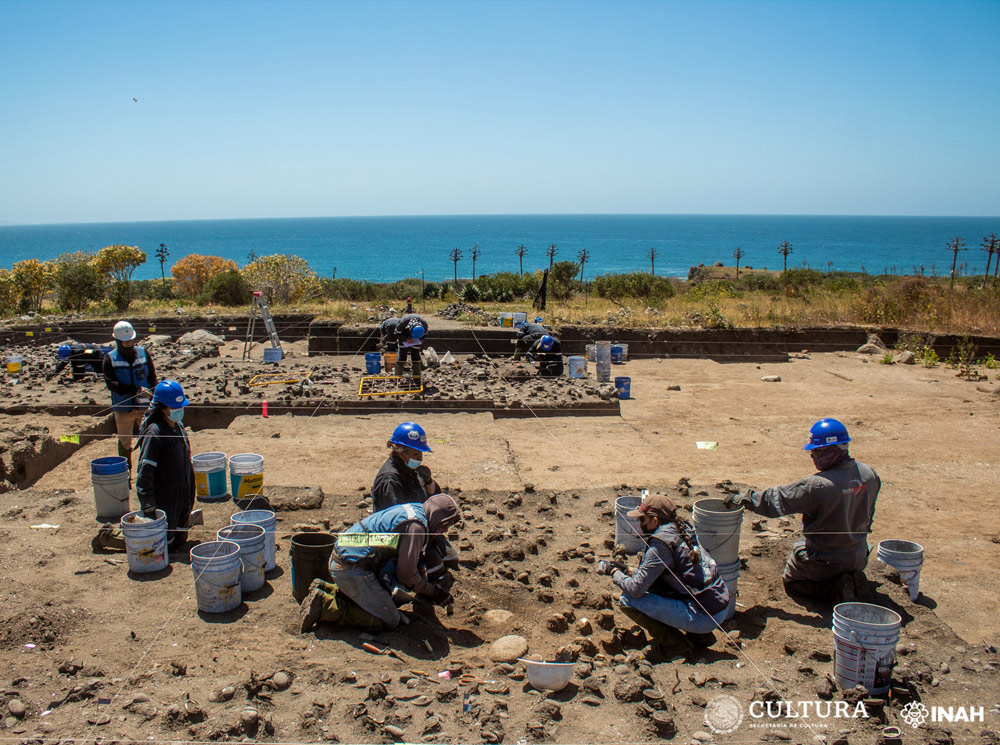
x=791, y=648
x=629, y=689
x=497, y=617
x=698, y=700
x=281, y=680
x=508, y=648
x=673, y=387
x=771, y=378
x=16, y=707
x=249, y=718
x=907, y=358
x=584, y=627
x=557, y=623
x=140, y=698
x=701, y=737
x=945, y=669
x=200, y=336
x=820, y=655
x=396, y=733
x=874, y=345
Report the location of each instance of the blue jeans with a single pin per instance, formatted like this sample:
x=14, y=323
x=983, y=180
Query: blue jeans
x=685, y=615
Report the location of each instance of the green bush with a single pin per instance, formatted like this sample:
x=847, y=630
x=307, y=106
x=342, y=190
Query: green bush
x=226, y=288
x=562, y=279
x=350, y=289
x=77, y=282
x=758, y=283
x=639, y=285
x=470, y=294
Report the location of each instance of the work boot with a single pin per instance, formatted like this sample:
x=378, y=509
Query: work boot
x=701, y=641
x=197, y=517
x=844, y=589
x=311, y=609
x=399, y=370
x=418, y=367
x=108, y=536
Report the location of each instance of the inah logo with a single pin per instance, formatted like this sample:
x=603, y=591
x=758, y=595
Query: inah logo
x=914, y=714
x=723, y=714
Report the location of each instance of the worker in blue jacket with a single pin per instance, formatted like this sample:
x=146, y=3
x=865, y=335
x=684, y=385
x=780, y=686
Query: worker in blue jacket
x=129, y=375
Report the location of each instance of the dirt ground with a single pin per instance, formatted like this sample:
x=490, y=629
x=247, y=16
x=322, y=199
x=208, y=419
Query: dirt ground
x=117, y=657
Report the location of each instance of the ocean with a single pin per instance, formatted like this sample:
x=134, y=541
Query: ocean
x=391, y=248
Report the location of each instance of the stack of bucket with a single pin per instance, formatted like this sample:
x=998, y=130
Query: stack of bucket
x=246, y=477
x=210, y=477
x=627, y=531
x=718, y=529
x=603, y=355
x=864, y=645
x=145, y=542
x=250, y=539
x=907, y=558
x=591, y=352
x=266, y=520
x=110, y=477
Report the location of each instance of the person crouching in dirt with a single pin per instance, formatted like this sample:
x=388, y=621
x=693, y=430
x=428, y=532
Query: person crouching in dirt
x=165, y=476
x=837, y=505
x=527, y=334
x=129, y=375
x=378, y=563
x=676, y=593
x=404, y=479
x=547, y=352
x=82, y=359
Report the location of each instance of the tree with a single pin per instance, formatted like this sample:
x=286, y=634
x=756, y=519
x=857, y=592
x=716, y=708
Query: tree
x=456, y=256
x=583, y=256
x=77, y=282
x=10, y=293
x=193, y=272
x=34, y=279
x=955, y=245
x=652, y=260
x=991, y=245
x=227, y=288
x=283, y=278
x=475, y=255
x=738, y=254
x=784, y=249
x=520, y=251
x=117, y=263
x=161, y=254
x=551, y=253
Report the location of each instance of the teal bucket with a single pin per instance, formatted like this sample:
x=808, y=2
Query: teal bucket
x=250, y=539
x=246, y=475
x=217, y=569
x=267, y=520
x=210, y=477
x=146, y=542
x=624, y=386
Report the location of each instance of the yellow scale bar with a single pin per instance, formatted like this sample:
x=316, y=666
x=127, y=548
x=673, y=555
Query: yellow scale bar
x=277, y=378
x=370, y=385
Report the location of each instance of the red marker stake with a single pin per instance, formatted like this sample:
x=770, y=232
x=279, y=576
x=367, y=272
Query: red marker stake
x=264, y=410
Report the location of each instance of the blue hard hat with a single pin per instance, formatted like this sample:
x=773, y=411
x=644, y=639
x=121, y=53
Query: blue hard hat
x=827, y=432
x=538, y=319
x=170, y=394
x=411, y=435
x=65, y=351
x=546, y=342
x=417, y=332
x=522, y=324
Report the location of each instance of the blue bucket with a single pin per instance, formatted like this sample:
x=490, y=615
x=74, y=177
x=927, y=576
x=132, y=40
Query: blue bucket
x=108, y=466
x=624, y=386
x=373, y=363
x=617, y=354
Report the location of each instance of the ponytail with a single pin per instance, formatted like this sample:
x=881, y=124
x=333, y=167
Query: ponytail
x=685, y=534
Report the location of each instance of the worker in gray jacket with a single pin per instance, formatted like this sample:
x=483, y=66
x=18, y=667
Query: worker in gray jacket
x=527, y=334
x=837, y=505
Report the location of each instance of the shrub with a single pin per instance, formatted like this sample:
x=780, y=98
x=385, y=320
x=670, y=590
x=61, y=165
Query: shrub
x=562, y=279
x=77, y=281
x=117, y=263
x=632, y=285
x=282, y=278
x=227, y=288
x=470, y=293
x=193, y=272
x=758, y=283
x=33, y=279
x=10, y=293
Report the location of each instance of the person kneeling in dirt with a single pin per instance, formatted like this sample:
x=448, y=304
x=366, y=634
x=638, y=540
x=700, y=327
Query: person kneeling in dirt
x=404, y=479
x=83, y=360
x=379, y=562
x=837, y=505
x=675, y=589
x=547, y=352
x=165, y=479
x=527, y=334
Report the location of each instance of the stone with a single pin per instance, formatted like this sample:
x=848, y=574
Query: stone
x=584, y=627
x=791, y=648
x=771, y=379
x=497, y=617
x=200, y=336
x=907, y=358
x=874, y=345
x=557, y=623
x=16, y=707
x=508, y=648
x=249, y=718
x=396, y=733
x=702, y=737
x=629, y=689
x=281, y=680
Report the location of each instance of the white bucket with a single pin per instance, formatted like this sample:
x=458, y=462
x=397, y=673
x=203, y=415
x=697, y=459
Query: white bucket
x=246, y=475
x=906, y=557
x=506, y=320
x=267, y=520
x=591, y=350
x=209, y=476
x=718, y=529
x=14, y=364
x=603, y=355
x=520, y=318
x=627, y=531
x=146, y=543
x=111, y=495
x=730, y=574
x=864, y=645
x=217, y=570
x=576, y=367
x=250, y=539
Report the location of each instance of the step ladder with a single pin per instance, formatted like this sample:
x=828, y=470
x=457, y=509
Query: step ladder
x=258, y=305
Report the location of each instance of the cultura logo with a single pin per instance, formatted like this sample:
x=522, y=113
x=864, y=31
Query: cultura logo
x=914, y=714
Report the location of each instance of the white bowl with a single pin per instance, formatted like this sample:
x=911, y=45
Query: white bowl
x=548, y=676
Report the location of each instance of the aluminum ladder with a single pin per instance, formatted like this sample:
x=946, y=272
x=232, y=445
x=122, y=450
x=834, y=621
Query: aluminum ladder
x=259, y=305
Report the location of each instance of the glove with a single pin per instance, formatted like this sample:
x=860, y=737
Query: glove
x=604, y=567
x=441, y=596
x=731, y=501
x=149, y=512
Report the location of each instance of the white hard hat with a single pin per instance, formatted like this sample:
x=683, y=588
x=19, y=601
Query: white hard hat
x=123, y=331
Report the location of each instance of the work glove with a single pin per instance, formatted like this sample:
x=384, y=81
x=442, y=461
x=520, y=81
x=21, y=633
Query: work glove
x=604, y=567
x=441, y=596
x=731, y=501
x=149, y=512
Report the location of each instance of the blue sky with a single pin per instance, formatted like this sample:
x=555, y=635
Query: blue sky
x=271, y=109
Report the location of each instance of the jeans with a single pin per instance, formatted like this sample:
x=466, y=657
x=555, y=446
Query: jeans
x=685, y=615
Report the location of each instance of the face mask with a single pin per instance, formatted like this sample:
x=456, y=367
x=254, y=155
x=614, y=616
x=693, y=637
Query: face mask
x=175, y=415
x=413, y=463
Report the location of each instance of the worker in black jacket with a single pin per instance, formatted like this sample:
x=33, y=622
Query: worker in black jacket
x=527, y=334
x=83, y=360
x=165, y=478
x=547, y=352
x=408, y=334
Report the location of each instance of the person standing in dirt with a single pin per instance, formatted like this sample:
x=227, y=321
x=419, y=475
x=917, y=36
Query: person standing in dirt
x=527, y=334
x=130, y=376
x=837, y=505
x=165, y=477
x=379, y=561
x=547, y=352
x=676, y=593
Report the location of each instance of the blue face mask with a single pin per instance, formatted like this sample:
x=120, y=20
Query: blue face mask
x=413, y=463
x=175, y=415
